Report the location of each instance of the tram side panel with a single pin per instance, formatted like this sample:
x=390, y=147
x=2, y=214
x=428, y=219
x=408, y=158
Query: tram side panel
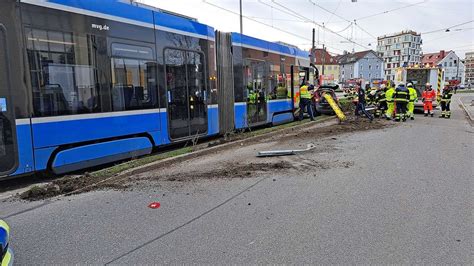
x=262, y=80
x=99, y=86
x=16, y=152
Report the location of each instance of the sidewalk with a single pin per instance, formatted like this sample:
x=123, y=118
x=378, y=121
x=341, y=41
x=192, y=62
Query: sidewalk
x=467, y=103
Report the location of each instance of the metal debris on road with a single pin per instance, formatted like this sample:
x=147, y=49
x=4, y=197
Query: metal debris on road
x=284, y=152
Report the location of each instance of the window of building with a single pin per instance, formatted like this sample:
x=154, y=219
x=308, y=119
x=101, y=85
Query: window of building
x=445, y=64
x=370, y=67
x=450, y=64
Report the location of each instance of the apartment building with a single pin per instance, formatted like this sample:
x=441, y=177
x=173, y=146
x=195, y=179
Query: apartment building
x=399, y=50
x=469, y=71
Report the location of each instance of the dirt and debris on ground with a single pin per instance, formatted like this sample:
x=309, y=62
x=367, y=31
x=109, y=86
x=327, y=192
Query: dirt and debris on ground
x=231, y=162
x=66, y=185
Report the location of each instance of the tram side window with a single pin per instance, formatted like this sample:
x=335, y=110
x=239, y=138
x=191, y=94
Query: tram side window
x=256, y=80
x=132, y=84
x=133, y=78
x=63, y=73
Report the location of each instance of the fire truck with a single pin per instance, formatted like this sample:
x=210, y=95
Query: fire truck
x=419, y=76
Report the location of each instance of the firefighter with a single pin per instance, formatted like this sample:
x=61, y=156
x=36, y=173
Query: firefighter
x=445, y=101
x=401, y=99
x=381, y=101
x=412, y=100
x=361, y=103
x=428, y=98
x=306, y=101
x=389, y=94
x=370, y=94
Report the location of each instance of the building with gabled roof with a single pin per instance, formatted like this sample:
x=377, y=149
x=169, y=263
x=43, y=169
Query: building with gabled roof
x=365, y=65
x=327, y=66
x=448, y=60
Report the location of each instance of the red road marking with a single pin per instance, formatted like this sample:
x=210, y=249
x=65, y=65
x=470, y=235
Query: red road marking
x=154, y=205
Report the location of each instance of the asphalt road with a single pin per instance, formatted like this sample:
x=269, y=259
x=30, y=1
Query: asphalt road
x=404, y=195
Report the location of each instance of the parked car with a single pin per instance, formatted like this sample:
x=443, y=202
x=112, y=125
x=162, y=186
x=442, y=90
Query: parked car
x=321, y=106
x=6, y=254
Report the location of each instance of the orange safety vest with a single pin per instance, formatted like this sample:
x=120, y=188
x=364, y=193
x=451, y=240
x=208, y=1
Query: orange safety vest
x=429, y=96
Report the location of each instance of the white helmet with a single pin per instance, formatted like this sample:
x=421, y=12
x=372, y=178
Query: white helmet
x=401, y=84
x=409, y=84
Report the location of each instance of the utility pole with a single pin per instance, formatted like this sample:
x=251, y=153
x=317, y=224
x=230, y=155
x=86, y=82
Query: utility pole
x=323, y=58
x=241, y=19
x=457, y=69
x=313, y=47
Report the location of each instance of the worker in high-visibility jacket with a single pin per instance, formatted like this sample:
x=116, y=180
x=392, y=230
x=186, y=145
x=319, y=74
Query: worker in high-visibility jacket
x=445, y=101
x=401, y=98
x=6, y=255
x=428, y=97
x=390, y=102
x=380, y=101
x=411, y=102
x=306, y=101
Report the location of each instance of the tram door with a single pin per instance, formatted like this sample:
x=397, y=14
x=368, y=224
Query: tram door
x=8, y=151
x=186, y=93
x=256, y=85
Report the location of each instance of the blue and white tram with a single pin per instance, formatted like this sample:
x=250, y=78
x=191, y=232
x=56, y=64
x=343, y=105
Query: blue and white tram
x=83, y=83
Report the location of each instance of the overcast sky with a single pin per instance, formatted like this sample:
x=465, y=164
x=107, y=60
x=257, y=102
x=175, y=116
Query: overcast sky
x=423, y=16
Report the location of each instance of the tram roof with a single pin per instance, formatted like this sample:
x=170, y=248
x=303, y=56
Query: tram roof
x=123, y=11
x=252, y=42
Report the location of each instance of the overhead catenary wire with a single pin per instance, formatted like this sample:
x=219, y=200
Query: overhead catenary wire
x=319, y=25
x=254, y=20
x=450, y=34
x=348, y=26
x=302, y=18
x=391, y=10
x=262, y=23
x=445, y=28
x=327, y=10
x=334, y=12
